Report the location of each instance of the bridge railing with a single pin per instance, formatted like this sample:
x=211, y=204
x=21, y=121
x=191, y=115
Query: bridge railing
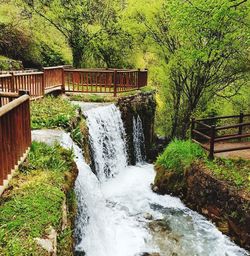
x=15, y=134
x=53, y=77
x=207, y=135
x=74, y=80
x=33, y=82
x=104, y=80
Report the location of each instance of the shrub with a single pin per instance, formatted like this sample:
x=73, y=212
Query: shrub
x=179, y=155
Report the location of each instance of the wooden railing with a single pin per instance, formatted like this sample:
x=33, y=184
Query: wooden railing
x=73, y=80
x=31, y=82
x=53, y=77
x=207, y=135
x=103, y=80
x=15, y=133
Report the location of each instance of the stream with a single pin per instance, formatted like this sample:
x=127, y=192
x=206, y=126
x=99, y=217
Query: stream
x=118, y=214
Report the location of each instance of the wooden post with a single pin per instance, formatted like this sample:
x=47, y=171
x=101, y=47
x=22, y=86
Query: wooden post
x=212, y=135
x=138, y=79
x=43, y=84
x=241, y=121
x=12, y=82
x=115, y=85
x=63, y=81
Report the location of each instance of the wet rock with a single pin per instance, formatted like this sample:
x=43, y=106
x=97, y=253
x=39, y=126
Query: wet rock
x=159, y=226
x=144, y=105
x=79, y=253
x=147, y=216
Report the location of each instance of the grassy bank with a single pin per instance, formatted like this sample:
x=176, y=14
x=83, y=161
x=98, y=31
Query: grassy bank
x=180, y=155
x=33, y=202
x=52, y=112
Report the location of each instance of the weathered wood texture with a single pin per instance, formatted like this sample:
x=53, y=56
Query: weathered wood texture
x=15, y=134
x=208, y=135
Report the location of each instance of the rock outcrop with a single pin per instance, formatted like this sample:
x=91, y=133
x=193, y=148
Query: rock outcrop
x=144, y=105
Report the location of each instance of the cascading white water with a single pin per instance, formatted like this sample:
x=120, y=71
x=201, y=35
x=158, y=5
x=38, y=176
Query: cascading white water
x=138, y=140
x=107, y=140
x=111, y=211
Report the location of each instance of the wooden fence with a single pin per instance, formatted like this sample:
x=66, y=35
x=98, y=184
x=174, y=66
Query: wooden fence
x=73, y=80
x=15, y=133
x=207, y=135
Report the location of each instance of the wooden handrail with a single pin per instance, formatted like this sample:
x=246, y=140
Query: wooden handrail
x=233, y=137
x=201, y=123
x=13, y=104
x=213, y=138
x=28, y=74
x=220, y=117
x=9, y=94
x=231, y=126
x=202, y=134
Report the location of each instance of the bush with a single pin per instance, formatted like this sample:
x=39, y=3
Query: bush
x=179, y=155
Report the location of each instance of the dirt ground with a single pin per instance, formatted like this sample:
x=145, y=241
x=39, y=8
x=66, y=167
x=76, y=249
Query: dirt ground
x=233, y=154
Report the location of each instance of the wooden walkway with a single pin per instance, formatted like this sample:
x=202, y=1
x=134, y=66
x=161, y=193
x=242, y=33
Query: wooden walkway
x=245, y=154
x=219, y=139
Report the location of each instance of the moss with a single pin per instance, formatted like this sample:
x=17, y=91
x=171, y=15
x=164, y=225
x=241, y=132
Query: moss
x=33, y=201
x=179, y=155
x=235, y=171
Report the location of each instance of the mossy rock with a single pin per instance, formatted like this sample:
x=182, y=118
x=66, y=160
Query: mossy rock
x=169, y=182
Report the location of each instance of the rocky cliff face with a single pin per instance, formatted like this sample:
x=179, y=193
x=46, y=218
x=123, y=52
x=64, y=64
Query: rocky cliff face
x=144, y=105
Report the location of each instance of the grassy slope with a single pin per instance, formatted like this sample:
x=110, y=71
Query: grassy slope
x=179, y=155
x=51, y=112
x=34, y=199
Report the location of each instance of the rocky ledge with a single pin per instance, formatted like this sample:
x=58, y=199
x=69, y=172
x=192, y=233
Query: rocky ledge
x=225, y=205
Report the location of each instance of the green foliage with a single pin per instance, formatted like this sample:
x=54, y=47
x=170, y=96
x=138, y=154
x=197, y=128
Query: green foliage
x=91, y=98
x=234, y=171
x=199, y=46
x=48, y=158
x=51, y=112
x=179, y=155
x=34, y=199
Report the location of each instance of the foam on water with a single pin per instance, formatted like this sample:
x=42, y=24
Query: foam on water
x=111, y=212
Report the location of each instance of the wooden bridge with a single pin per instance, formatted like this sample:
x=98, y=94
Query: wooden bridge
x=15, y=130
x=67, y=79
x=211, y=135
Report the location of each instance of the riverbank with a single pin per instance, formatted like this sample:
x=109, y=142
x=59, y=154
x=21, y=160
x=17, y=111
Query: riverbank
x=219, y=189
x=37, y=210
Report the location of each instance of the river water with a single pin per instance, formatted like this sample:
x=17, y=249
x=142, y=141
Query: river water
x=118, y=214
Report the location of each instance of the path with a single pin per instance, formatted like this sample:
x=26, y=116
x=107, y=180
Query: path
x=233, y=154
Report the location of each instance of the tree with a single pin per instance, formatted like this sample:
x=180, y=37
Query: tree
x=203, y=45
x=78, y=20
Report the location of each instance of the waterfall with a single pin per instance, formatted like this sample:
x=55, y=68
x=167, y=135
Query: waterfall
x=107, y=138
x=138, y=140
x=111, y=211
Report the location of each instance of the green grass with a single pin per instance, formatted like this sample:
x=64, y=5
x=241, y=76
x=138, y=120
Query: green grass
x=108, y=97
x=33, y=201
x=92, y=97
x=235, y=171
x=52, y=112
x=179, y=155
